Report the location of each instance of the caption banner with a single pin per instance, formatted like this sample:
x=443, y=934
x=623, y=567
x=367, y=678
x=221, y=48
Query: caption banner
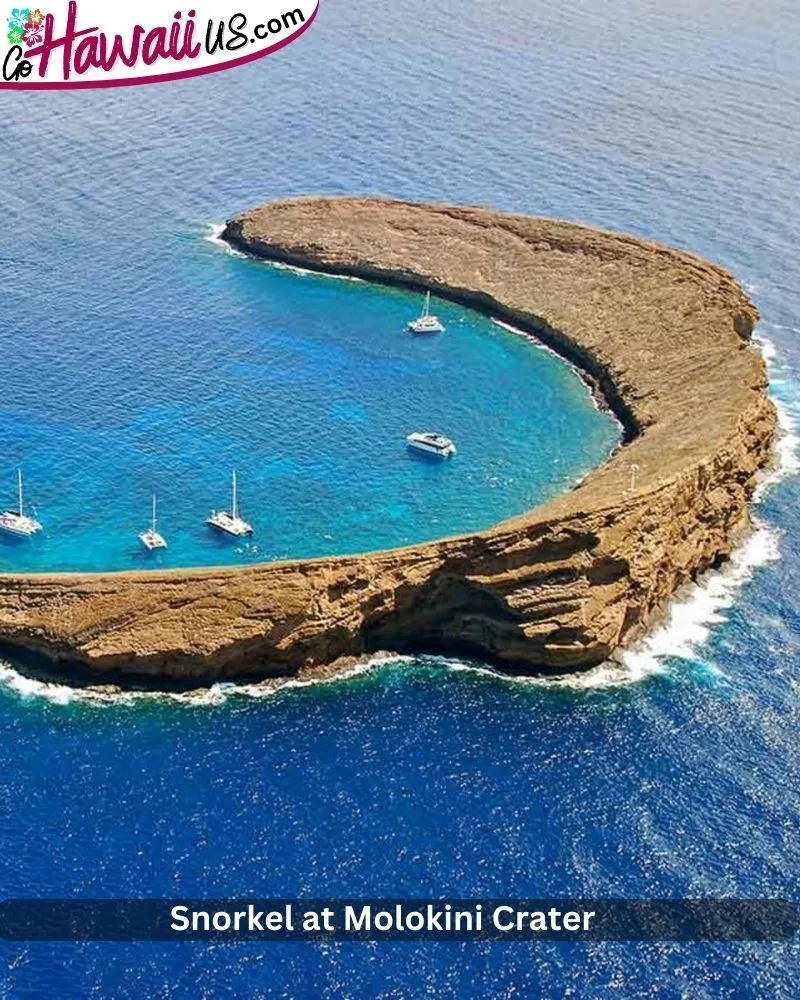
x=398, y=920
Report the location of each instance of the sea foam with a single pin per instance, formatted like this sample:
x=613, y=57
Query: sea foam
x=694, y=613
x=28, y=688
x=214, y=235
x=690, y=618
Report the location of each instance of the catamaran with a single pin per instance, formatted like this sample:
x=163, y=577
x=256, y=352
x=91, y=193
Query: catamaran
x=426, y=323
x=229, y=522
x=151, y=538
x=17, y=522
x=431, y=444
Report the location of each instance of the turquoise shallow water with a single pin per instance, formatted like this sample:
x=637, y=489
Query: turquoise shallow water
x=679, y=122
x=307, y=385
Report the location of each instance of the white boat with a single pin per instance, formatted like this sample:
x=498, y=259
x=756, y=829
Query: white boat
x=229, y=522
x=426, y=322
x=151, y=538
x=16, y=522
x=431, y=444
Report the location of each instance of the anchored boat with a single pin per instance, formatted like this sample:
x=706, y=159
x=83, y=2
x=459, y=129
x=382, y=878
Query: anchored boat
x=431, y=444
x=151, y=538
x=17, y=522
x=229, y=522
x=426, y=323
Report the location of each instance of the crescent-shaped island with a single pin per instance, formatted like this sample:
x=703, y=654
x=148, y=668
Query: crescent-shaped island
x=663, y=336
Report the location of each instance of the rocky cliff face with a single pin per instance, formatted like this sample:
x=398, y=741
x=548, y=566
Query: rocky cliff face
x=662, y=333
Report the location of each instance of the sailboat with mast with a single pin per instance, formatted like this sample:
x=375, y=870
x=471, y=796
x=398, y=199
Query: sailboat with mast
x=17, y=522
x=426, y=323
x=229, y=522
x=151, y=539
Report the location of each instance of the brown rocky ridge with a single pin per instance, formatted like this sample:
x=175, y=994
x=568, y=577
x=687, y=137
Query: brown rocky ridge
x=663, y=335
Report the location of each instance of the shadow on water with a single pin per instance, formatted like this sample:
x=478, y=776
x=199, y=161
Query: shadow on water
x=14, y=542
x=426, y=458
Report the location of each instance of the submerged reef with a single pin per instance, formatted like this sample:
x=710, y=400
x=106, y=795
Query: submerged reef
x=662, y=335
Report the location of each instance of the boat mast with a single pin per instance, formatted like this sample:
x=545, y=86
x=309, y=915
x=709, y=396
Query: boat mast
x=154, y=513
x=235, y=512
x=427, y=311
x=19, y=490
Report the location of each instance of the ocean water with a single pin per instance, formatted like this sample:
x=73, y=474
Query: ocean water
x=674, y=774
x=306, y=384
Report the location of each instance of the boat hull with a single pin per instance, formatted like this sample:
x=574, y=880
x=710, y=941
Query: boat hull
x=18, y=527
x=152, y=541
x=422, y=330
x=228, y=526
x=427, y=449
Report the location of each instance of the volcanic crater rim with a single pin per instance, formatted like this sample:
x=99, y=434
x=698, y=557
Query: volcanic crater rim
x=561, y=587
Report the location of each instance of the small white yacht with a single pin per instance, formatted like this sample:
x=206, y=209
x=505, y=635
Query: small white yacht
x=229, y=522
x=17, y=522
x=431, y=444
x=151, y=538
x=426, y=323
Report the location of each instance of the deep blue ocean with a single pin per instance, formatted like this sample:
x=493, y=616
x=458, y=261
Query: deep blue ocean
x=139, y=355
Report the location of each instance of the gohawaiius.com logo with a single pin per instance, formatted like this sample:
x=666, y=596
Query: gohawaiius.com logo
x=97, y=44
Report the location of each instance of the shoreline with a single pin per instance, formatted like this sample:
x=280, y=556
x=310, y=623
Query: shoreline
x=596, y=378
x=593, y=389
x=557, y=589
x=702, y=600
x=216, y=237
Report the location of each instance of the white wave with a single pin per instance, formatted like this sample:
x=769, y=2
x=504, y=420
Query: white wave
x=690, y=618
x=767, y=348
x=529, y=336
x=280, y=266
x=605, y=675
x=307, y=272
x=28, y=688
x=785, y=393
x=693, y=614
x=214, y=235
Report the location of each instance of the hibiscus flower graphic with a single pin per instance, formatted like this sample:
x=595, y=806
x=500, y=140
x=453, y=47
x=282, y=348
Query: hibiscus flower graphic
x=18, y=19
x=15, y=36
x=33, y=34
x=36, y=17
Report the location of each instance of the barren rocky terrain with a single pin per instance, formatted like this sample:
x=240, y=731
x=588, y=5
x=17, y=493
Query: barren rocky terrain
x=663, y=335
